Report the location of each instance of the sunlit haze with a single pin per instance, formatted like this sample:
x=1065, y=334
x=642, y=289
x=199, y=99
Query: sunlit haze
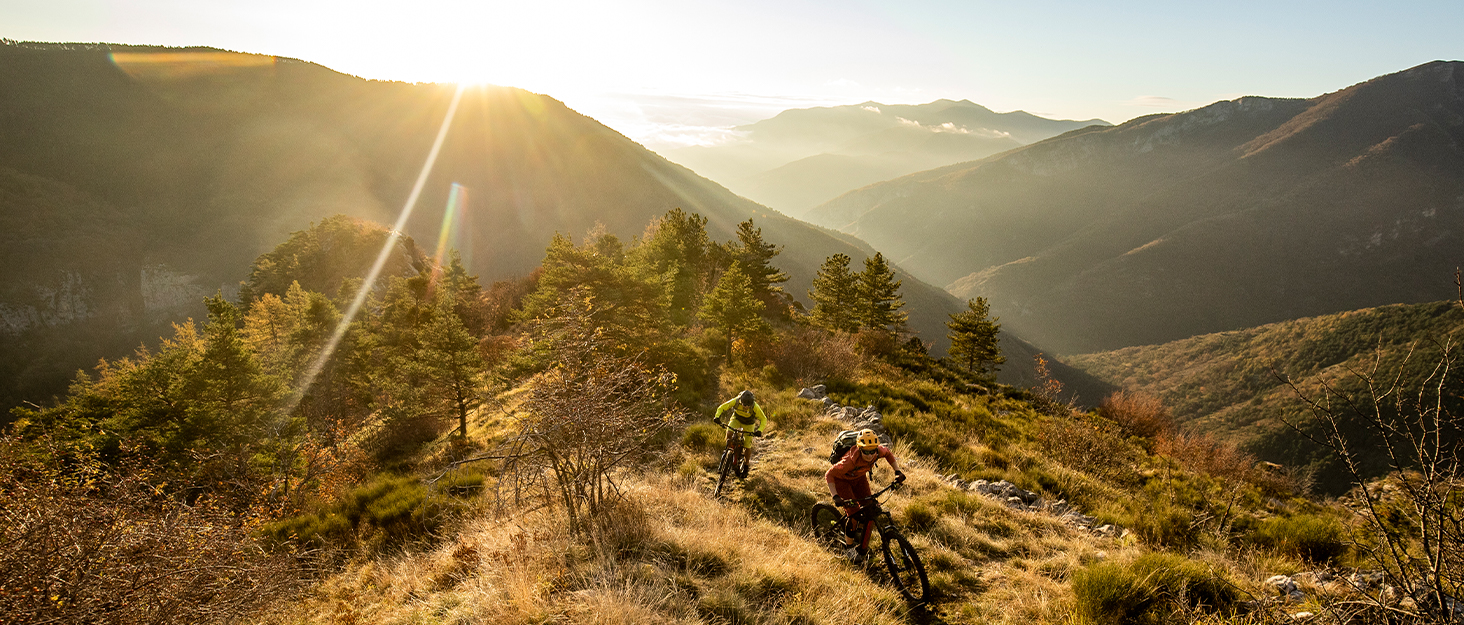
x=680, y=72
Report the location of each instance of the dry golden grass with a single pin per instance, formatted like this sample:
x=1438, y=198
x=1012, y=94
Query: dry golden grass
x=683, y=559
x=671, y=554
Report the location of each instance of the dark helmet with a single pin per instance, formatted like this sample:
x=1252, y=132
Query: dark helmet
x=745, y=398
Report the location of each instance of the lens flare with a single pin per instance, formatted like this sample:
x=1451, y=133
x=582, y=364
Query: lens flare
x=452, y=223
x=391, y=241
x=178, y=65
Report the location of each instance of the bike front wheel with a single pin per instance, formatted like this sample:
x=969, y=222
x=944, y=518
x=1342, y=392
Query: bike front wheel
x=723, y=468
x=828, y=525
x=906, y=570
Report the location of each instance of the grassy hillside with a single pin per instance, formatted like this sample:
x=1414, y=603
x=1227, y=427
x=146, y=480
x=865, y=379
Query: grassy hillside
x=1229, y=216
x=539, y=450
x=672, y=554
x=1238, y=385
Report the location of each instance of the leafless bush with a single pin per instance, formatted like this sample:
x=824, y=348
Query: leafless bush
x=1225, y=460
x=80, y=544
x=591, y=414
x=1413, y=519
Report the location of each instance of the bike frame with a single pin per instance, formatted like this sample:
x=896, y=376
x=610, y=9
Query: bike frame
x=881, y=517
x=729, y=451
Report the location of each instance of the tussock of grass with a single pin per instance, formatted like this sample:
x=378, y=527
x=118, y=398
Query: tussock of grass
x=1149, y=589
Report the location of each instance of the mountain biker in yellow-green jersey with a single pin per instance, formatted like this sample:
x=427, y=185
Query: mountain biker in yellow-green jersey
x=746, y=413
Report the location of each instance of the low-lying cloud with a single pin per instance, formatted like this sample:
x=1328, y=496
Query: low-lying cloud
x=1155, y=101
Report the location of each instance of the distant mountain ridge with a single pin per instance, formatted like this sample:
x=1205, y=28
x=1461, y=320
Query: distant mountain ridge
x=1232, y=215
x=803, y=157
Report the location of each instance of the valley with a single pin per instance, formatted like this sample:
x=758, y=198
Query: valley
x=1197, y=367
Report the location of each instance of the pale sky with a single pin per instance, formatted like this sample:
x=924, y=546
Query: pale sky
x=676, y=72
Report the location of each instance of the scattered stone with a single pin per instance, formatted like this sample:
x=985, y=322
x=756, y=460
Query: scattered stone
x=816, y=393
x=1365, y=580
x=1285, y=586
x=1313, y=578
x=1302, y=616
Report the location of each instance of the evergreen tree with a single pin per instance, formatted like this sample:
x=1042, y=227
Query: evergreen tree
x=677, y=248
x=630, y=305
x=835, y=295
x=233, y=400
x=733, y=308
x=452, y=364
x=879, y=296
x=974, y=344
x=756, y=256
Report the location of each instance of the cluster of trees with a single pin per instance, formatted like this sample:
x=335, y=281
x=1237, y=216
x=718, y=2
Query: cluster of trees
x=273, y=401
x=869, y=301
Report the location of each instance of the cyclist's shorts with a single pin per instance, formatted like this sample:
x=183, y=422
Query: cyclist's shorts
x=852, y=489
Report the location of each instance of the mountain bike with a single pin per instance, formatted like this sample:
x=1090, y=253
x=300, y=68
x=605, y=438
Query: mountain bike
x=831, y=525
x=729, y=455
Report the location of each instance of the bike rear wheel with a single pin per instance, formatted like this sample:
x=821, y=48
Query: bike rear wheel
x=723, y=468
x=906, y=570
x=828, y=525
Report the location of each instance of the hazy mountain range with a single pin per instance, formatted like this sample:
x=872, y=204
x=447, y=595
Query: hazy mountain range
x=1237, y=214
x=801, y=158
x=133, y=184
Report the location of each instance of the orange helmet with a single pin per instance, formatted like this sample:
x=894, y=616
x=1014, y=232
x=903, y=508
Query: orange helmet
x=868, y=439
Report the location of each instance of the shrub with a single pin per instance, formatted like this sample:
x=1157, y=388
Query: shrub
x=1166, y=525
x=1149, y=589
x=1088, y=446
x=809, y=355
x=703, y=436
x=1313, y=538
x=1138, y=414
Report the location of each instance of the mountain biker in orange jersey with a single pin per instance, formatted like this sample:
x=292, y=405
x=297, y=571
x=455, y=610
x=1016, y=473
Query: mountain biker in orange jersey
x=746, y=413
x=848, y=481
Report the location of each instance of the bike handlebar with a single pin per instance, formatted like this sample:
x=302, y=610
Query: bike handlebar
x=728, y=427
x=891, y=486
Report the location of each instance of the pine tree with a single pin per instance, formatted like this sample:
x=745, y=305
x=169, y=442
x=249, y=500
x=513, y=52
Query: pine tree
x=452, y=363
x=676, y=247
x=756, y=257
x=879, y=296
x=835, y=295
x=732, y=307
x=974, y=342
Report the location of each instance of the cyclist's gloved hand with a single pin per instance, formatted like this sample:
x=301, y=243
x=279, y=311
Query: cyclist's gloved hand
x=899, y=477
x=757, y=433
x=717, y=420
x=841, y=502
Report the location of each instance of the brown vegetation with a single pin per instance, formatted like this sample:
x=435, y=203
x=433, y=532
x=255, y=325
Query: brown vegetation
x=82, y=544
